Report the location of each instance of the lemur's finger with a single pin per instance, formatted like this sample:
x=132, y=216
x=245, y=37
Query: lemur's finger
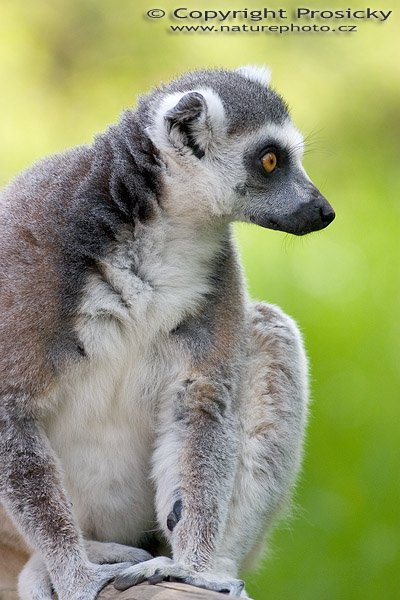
x=126, y=580
x=145, y=570
x=232, y=587
x=158, y=577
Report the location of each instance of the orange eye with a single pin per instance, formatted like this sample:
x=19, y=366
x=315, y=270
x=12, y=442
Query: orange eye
x=269, y=162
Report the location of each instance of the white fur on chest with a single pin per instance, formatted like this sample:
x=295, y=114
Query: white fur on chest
x=105, y=425
x=103, y=433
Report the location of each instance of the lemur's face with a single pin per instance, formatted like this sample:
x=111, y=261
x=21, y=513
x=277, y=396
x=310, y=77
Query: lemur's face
x=231, y=151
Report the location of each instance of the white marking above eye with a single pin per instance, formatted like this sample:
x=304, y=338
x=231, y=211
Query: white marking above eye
x=285, y=136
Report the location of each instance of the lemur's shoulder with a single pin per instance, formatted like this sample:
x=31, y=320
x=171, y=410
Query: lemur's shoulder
x=34, y=189
x=58, y=220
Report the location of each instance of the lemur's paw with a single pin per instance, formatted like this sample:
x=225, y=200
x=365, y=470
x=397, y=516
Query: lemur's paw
x=164, y=569
x=108, y=552
x=35, y=584
x=90, y=582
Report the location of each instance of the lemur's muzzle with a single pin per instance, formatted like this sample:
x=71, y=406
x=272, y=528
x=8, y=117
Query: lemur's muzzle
x=305, y=212
x=310, y=216
x=295, y=206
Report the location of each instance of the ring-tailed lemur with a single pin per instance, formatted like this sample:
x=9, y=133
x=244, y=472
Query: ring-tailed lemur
x=143, y=396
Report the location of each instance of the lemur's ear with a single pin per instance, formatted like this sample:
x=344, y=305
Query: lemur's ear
x=185, y=118
x=259, y=74
x=194, y=122
x=189, y=108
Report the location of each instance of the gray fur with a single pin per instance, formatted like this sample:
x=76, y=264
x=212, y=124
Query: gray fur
x=129, y=346
x=245, y=101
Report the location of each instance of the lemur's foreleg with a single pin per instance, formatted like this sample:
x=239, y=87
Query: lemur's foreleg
x=31, y=489
x=196, y=462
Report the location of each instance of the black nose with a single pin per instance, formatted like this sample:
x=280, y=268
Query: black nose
x=327, y=214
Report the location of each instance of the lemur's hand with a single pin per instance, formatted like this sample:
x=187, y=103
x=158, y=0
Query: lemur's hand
x=106, y=561
x=164, y=569
x=84, y=584
x=97, y=578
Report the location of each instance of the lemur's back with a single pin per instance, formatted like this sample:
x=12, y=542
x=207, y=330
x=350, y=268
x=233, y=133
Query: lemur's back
x=33, y=215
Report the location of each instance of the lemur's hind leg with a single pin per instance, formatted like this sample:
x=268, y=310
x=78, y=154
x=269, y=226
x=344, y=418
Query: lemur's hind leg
x=273, y=416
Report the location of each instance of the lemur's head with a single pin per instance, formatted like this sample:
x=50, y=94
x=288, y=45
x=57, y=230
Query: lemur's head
x=231, y=150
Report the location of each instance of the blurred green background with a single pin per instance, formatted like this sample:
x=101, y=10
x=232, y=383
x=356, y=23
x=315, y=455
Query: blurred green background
x=67, y=69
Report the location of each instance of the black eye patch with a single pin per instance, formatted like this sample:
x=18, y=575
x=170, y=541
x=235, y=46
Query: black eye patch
x=254, y=164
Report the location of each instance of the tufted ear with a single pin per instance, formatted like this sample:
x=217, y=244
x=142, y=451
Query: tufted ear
x=187, y=121
x=259, y=74
x=191, y=122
